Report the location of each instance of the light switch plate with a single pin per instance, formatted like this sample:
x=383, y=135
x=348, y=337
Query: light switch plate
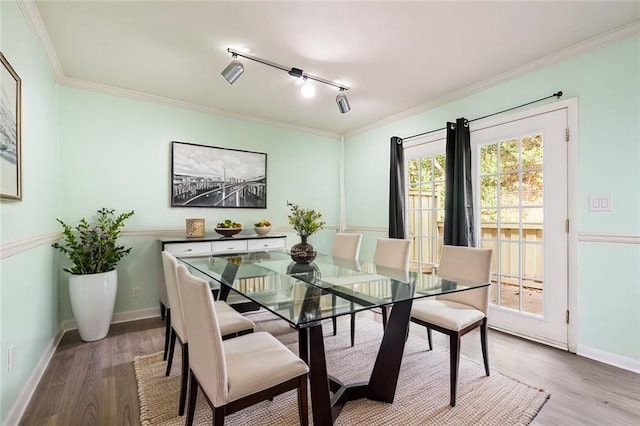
x=600, y=203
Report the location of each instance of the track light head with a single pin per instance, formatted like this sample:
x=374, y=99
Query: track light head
x=343, y=102
x=233, y=71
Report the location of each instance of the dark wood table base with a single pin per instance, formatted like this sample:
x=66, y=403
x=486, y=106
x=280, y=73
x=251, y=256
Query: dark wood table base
x=384, y=376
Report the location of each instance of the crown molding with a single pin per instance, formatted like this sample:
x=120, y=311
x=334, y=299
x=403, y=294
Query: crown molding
x=35, y=24
x=623, y=33
x=146, y=97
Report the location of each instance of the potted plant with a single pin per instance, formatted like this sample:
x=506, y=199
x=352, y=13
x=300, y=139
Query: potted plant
x=94, y=254
x=305, y=222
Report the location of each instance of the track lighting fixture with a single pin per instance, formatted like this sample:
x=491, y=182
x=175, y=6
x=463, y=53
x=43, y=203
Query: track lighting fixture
x=343, y=102
x=233, y=71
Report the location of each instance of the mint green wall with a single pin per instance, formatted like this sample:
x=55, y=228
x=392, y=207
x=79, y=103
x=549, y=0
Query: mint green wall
x=116, y=152
x=607, y=84
x=28, y=286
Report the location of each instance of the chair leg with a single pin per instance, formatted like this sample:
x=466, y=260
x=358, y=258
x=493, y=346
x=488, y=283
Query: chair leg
x=163, y=311
x=335, y=320
x=303, y=405
x=483, y=342
x=172, y=346
x=193, y=395
x=429, y=338
x=185, y=376
x=454, y=361
x=218, y=415
x=353, y=329
x=167, y=335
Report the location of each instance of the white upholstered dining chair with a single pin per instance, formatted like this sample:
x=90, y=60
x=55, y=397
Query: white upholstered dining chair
x=456, y=314
x=391, y=255
x=236, y=373
x=231, y=322
x=346, y=246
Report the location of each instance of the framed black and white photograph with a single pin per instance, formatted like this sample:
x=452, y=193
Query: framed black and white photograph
x=10, y=158
x=209, y=176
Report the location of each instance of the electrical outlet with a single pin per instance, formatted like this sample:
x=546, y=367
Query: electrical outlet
x=135, y=291
x=11, y=355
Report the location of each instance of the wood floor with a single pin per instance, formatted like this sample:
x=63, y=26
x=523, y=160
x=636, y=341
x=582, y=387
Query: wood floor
x=94, y=383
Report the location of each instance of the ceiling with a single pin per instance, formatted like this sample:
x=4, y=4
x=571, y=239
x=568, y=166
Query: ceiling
x=396, y=57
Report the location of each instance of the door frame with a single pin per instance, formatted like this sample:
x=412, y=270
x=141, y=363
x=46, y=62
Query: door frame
x=571, y=105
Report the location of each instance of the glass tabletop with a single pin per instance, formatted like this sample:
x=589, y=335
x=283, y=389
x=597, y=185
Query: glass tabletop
x=303, y=294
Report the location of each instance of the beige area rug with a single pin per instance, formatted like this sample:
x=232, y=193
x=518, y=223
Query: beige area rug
x=422, y=396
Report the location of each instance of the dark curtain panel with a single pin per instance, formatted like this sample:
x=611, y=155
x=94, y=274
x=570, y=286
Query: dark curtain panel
x=396, y=190
x=458, y=200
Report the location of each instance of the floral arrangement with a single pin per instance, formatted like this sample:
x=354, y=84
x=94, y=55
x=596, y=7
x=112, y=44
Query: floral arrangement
x=305, y=221
x=92, y=247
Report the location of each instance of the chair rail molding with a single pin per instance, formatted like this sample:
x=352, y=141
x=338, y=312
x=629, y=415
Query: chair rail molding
x=20, y=246
x=594, y=237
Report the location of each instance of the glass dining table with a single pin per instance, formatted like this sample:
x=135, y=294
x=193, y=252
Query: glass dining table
x=304, y=295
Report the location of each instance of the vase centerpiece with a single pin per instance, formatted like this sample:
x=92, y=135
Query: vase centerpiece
x=93, y=283
x=305, y=222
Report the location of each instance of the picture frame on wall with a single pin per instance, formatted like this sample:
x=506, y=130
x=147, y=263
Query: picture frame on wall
x=10, y=132
x=210, y=176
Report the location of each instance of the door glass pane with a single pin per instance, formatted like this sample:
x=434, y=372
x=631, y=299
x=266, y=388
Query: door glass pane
x=509, y=275
x=425, y=204
x=509, y=155
x=532, y=289
x=532, y=188
x=489, y=159
x=488, y=193
x=439, y=166
x=532, y=152
x=509, y=189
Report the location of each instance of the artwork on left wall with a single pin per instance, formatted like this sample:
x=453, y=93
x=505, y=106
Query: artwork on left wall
x=209, y=176
x=10, y=158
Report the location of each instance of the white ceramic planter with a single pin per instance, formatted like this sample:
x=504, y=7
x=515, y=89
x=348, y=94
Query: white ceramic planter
x=93, y=297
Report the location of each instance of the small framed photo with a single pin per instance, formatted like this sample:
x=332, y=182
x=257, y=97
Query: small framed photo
x=10, y=132
x=209, y=176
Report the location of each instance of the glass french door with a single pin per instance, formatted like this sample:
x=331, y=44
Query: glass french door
x=520, y=186
x=521, y=195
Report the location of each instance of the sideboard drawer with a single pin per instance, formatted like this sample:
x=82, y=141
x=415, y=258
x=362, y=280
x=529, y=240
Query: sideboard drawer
x=230, y=246
x=266, y=244
x=189, y=249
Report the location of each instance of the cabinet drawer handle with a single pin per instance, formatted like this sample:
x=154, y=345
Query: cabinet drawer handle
x=189, y=249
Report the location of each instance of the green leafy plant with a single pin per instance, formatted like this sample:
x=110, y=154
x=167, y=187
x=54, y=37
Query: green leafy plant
x=305, y=221
x=92, y=247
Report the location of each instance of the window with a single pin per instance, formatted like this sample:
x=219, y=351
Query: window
x=425, y=164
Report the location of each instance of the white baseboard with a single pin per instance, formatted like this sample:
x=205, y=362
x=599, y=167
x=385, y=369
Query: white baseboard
x=616, y=360
x=21, y=403
x=118, y=317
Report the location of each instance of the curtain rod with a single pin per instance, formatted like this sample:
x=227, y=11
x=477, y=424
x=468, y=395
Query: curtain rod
x=557, y=95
